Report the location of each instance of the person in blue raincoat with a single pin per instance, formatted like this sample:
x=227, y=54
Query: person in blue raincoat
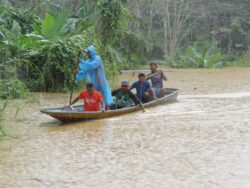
x=93, y=70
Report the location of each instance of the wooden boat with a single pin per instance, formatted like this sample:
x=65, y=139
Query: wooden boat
x=76, y=113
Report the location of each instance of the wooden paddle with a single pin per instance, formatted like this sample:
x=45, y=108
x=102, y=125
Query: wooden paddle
x=73, y=84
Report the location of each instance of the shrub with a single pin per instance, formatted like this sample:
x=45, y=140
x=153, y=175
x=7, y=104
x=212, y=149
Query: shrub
x=2, y=113
x=198, y=55
x=12, y=89
x=244, y=60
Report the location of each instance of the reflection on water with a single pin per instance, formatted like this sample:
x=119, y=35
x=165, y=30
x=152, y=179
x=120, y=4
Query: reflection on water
x=203, y=140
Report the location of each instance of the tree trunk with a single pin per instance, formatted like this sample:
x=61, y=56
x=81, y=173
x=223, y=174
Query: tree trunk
x=165, y=25
x=151, y=16
x=174, y=18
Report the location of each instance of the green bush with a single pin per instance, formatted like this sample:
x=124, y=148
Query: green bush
x=12, y=89
x=131, y=50
x=2, y=114
x=25, y=18
x=51, y=64
x=244, y=60
x=198, y=55
x=46, y=58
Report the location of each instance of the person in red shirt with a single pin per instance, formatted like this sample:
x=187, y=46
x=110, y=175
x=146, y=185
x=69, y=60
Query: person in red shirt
x=92, y=99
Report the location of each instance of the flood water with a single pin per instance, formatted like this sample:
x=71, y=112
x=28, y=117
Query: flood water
x=201, y=141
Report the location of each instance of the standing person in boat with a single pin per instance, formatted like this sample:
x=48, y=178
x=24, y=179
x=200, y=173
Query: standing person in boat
x=92, y=99
x=144, y=90
x=124, y=97
x=93, y=69
x=157, y=76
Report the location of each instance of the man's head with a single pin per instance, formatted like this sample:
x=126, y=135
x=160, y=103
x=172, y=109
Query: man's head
x=153, y=66
x=141, y=77
x=125, y=85
x=90, y=51
x=89, y=54
x=90, y=88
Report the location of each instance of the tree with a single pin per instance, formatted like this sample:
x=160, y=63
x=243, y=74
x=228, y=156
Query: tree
x=175, y=16
x=111, y=12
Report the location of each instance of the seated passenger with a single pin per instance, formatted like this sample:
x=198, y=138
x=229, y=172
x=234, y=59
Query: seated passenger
x=124, y=97
x=92, y=99
x=157, y=77
x=144, y=90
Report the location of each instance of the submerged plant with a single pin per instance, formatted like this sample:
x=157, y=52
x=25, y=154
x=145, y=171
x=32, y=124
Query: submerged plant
x=32, y=99
x=19, y=110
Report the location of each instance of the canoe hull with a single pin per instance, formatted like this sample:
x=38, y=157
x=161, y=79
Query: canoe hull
x=79, y=115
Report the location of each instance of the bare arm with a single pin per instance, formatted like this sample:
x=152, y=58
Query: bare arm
x=142, y=107
x=132, y=87
x=164, y=76
x=74, y=101
x=136, y=100
x=148, y=76
x=152, y=91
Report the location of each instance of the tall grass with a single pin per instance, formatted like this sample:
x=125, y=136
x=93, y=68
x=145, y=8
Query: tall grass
x=2, y=116
x=244, y=61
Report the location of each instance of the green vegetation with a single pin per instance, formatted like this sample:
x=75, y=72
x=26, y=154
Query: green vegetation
x=244, y=60
x=40, y=40
x=2, y=114
x=179, y=31
x=199, y=55
x=41, y=52
x=12, y=89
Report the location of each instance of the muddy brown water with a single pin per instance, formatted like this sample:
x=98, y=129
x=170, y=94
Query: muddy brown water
x=202, y=140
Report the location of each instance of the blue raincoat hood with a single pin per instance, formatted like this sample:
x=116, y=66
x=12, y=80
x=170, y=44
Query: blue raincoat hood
x=91, y=49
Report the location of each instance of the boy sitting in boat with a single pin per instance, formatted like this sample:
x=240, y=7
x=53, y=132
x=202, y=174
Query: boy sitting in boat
x=144, y=90
x=92, y=99
x=124, y=97
x=157, y=76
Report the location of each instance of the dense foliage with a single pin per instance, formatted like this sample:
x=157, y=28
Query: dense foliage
x=45, y=58
x=12, y=89
x=175, y=29
x=2, y=114
x=40, y=40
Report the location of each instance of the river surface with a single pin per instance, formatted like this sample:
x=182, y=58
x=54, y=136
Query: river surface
x=201, y=141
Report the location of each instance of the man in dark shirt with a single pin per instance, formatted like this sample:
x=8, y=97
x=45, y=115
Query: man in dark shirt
x=124, y=97
x=144, y=89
